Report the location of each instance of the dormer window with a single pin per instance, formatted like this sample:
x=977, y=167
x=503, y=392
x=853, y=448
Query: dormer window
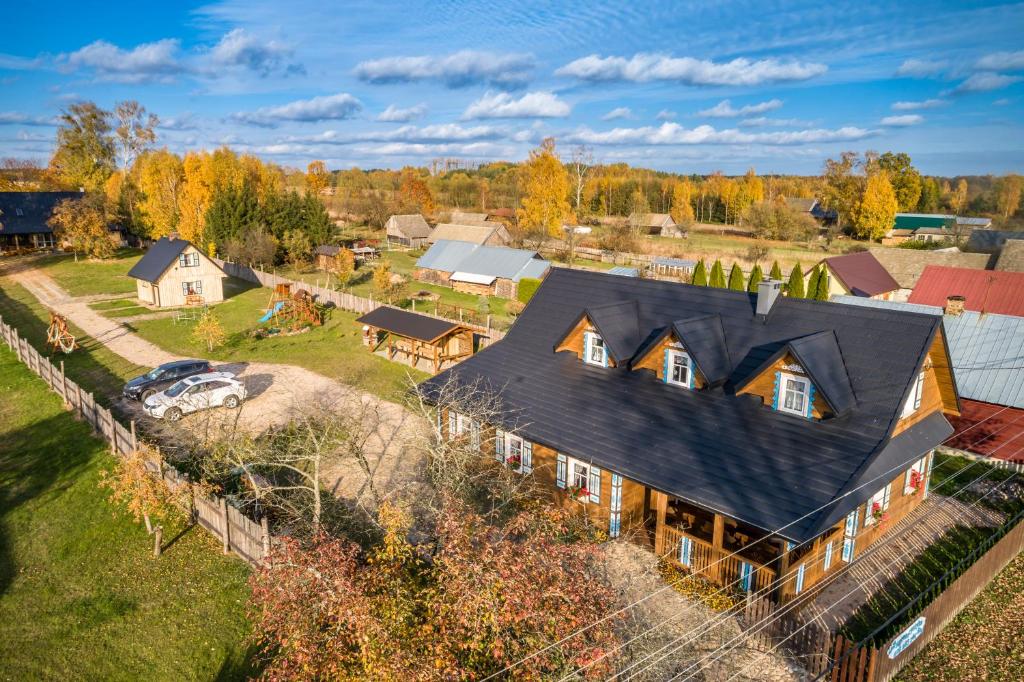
x=914, y=399
x=678, y=368
x=793, y=394
x=594, y=351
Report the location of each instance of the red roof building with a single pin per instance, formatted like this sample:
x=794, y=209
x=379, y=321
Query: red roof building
x=990, y=430
x=988, y=291
x=859, y=274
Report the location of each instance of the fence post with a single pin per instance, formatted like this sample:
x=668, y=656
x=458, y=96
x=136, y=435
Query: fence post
x=158, y=536
x=63, y=384
x=17, y=343
x=81, y=405
x=224, y=520
x=266, y=537
x=135, y=439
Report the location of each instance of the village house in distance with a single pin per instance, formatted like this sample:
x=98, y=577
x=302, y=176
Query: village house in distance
x=718, y=421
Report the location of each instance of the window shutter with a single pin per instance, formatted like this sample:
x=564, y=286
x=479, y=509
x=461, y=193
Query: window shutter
x=685, y=547
x=526, y=466
x=615, y=515
x=499, y=445
x=775, y=391
x=474, y=434
x=594, y=486
x=690, y=369
x=800, y=578
x=560, y=465
x=746, y=572
x=452, y=419
x=439, y=422
x=928, y=474
x=586, y=346
x=810, y=399
x=604, y=355
x=828, y=556
x=665, y=375
x=918, y=390
x=885, y=497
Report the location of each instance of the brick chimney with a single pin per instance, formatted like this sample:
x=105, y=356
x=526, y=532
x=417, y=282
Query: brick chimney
x=954, y=305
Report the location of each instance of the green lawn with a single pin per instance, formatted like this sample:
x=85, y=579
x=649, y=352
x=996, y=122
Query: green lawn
x=93, y=277
x=93, y=365
x=334, y=350
x=403, y=263
x=121, y=307
x=80, y=596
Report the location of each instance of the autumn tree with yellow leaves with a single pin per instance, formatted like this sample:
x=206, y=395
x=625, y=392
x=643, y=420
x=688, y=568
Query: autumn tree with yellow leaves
x=317, y=177
x=877, y=211
x=545, y=205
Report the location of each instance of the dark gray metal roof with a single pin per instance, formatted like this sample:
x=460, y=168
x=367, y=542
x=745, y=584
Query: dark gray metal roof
x=723, y=451
x=28, y=212
x=819, y=354
x=618, y=325
x=704, y=339
x=157, y=259
x=990, y=241
x=410, y=325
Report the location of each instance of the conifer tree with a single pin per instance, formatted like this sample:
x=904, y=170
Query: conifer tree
x=821, y=293
x=795, y=288
x=736, y=278
x=776, y=272
x=812, y=283
x=717, y=278
x=700, y=274
x=755, y=278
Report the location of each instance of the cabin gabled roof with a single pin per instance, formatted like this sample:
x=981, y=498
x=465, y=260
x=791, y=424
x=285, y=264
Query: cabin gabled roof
x=704, y=340
x=160, y=256
x=721, y=450
x=862, y=274
x=618, y=326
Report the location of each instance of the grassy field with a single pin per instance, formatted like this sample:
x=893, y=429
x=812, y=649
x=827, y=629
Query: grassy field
x=92, y=277
x=120, y=307
x=984, y=641
x=334, y=350
x=80, y=595
x=93, y=365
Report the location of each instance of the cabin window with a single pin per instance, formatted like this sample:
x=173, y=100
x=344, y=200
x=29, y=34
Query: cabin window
x=189, y=260
x=913, y=480
x=594, y=351
x=678, y=368
x=190, y=288
x=514, y=451
x=580, y=478
x=828, y=557
x=914, y=399
x=877, y=506
x=800, y=572
x=793, y=394
x=850, y=534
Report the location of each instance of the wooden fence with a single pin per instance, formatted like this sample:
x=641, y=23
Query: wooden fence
x=237, y=533
x=342, y=299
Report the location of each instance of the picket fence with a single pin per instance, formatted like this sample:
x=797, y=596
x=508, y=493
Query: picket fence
x=341, y=299
x=237, y=533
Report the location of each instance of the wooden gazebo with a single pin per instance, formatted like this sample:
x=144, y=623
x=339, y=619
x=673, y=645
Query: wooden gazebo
x=417, y=337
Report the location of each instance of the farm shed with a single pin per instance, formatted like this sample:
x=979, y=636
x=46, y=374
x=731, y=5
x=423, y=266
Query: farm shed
x=407, y=230
x=175, y=273
x=482, y=270
x=491, y=234
x=416, y=337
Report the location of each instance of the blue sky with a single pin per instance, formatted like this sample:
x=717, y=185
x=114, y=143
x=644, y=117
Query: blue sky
x=682, y=86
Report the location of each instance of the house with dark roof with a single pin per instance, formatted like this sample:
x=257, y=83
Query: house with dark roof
x=859, y=274
x=990, y=241
x=756, y=439
x=985, y=291
x=174, y=273
x=813, y=207
x=24, y=220
x=476, y=269
x=409, y=230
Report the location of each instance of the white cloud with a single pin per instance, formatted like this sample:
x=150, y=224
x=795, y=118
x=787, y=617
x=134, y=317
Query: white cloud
x=395, y=115
x=18, y=118
x=238, y=48
x=921, y=68
x=1001, y=61
x=675, y=134
x=539, y=104
x=431, y=134
x=764, y=121
x=185, y=121
x=642, y=68
x=618, y=112
x=150, y=62
x=902, y=120
x=986, y=81
x=923, y=104
x=467, y=67
x=724, y=109
x=1002, y=102
x=666, y=115
x=325, y=108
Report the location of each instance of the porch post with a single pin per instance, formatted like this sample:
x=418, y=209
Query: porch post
x=717, y=543
x=783, y=587
x=660, y=502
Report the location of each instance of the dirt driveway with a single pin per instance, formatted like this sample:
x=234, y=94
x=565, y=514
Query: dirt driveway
x=276, y=393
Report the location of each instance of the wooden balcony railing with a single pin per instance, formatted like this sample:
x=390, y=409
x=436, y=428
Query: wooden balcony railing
x=719, y=566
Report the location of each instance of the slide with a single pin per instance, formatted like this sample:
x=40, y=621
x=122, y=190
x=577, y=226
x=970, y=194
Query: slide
x=270, y=313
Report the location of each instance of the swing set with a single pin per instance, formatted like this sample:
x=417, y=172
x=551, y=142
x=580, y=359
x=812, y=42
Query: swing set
x=58, y=336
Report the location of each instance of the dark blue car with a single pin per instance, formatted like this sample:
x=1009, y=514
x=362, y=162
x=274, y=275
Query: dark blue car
x=158, y=379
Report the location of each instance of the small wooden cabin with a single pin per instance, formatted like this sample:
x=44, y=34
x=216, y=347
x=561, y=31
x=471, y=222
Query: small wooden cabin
x=416, y=337
x=175, y=273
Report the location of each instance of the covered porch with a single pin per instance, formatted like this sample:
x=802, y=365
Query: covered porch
x=422, y=341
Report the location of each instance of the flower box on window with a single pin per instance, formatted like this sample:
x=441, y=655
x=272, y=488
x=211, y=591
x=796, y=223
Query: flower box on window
x=579, y=493
x=916, y=482
x=514, y=462
x=878, y=514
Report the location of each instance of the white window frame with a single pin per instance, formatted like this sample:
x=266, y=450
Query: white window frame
x=806, y=393
x=197, y=287
x=188, y=260
x=567, y=477
x=508, y=444
x=589, y=337
x=882, y=499
x=673, y=353
x=800, y=574
x=850, y=526
x=920, y=466
x=913, y=403
x=827, y=563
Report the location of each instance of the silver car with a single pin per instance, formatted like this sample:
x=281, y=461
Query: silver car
x=196, y=393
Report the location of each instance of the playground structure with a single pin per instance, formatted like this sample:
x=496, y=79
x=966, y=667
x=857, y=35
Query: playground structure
x=292, y=310
x=195, y=308
x=58, y=336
